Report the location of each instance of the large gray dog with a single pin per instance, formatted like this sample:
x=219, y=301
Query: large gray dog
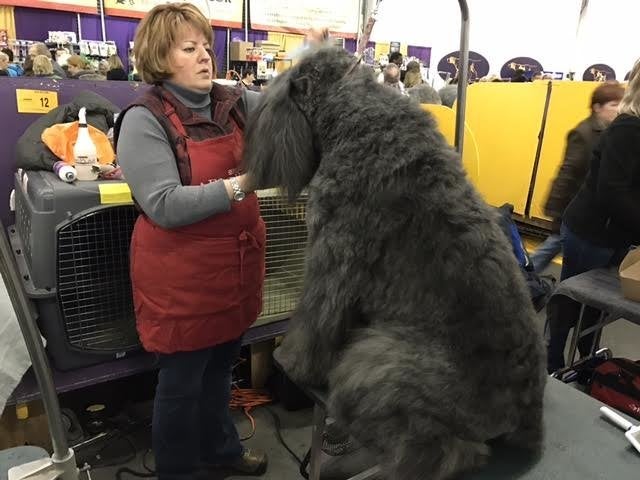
x=414, y=312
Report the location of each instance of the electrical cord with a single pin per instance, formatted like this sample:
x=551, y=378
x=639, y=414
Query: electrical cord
x=304, y=462
x=247, y=399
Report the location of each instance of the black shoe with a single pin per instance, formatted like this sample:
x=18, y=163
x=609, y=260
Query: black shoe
x=251, y=462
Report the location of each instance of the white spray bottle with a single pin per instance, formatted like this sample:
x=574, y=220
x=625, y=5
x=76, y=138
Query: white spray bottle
x=84, y=151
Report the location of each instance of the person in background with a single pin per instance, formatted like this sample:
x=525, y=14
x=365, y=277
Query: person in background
x=413, y=76
x=39, y=48
x=43, y=67
x=248, y=77
x=4, y=63
x=425, y=93
x=103, y=67
x=198, y=246
x=603, y=219
x=391, y=78
x=62, y=55
x=519, y=77
x=398, y=59
x=13, y=69
x=79, y=68
x=449, y=93
x=115, y=69
x=575, y=165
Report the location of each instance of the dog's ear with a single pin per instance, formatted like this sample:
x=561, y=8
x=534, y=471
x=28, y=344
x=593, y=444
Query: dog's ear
x=300, y=86
x=279, y=143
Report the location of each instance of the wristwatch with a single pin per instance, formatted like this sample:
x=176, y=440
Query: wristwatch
x=238, y=194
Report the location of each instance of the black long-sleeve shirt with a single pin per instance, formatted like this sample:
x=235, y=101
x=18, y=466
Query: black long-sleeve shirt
x=606, y=210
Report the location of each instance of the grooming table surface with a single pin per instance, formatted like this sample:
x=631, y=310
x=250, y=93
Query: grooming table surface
x=601, y=289
x=579, y=444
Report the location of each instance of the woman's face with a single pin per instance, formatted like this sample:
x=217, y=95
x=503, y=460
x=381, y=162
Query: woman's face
x=190, y=61
x=607, y=112
x=73, y=69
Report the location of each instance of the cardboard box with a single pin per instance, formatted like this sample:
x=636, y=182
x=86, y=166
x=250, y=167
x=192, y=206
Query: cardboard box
x=238, y=50
x=630, y=275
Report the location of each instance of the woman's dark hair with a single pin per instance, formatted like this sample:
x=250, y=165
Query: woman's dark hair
x=9, y=53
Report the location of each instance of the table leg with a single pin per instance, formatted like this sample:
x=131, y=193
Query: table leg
x=316, y=442
x=575, y=337
x=597, y=335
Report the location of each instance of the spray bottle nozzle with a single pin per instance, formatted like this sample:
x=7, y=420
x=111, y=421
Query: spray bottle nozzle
x=82, y=117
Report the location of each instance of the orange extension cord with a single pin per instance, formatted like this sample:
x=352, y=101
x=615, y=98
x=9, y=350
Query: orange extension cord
x=248, y=399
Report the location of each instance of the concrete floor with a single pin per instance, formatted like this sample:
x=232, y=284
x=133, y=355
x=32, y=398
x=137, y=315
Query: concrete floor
x=295, y=429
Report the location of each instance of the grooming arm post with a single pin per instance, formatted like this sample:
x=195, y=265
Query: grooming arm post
x=463, y=78
x=62, y=463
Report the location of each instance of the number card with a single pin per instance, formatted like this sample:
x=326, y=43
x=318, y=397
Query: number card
x=36, y=101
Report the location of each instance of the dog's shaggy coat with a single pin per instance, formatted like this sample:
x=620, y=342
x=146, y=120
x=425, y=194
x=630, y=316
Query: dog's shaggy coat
x=414, y=311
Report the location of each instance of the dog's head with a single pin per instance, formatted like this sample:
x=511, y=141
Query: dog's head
x=281, y=147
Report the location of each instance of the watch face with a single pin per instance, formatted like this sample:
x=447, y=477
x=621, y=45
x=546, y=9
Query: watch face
x=238, y=196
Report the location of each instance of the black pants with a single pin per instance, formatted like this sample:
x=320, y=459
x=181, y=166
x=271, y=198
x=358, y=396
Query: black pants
x=579, y=256
x=192, y=425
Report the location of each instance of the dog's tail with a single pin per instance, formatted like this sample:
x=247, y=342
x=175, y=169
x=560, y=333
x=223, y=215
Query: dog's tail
x=410, y=405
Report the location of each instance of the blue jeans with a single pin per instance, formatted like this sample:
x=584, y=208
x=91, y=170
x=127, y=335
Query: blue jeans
x=579, y=256
x=546, y=252
x=192, y=425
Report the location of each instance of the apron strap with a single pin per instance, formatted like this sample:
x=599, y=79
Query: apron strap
x=171, y=114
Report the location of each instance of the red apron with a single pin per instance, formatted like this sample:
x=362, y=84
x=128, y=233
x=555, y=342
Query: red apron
x=200, y=285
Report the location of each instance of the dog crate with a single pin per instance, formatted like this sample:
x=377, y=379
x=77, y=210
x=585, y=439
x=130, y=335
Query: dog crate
x=285, y=254
x=71, y=243
x=72, y=248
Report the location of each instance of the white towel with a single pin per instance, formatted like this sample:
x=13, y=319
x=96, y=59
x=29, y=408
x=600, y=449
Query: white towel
x=14, y=358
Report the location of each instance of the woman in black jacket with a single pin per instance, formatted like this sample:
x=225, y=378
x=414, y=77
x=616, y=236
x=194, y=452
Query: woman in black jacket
x=581, y=140
x=116, y=69
x=603, y=220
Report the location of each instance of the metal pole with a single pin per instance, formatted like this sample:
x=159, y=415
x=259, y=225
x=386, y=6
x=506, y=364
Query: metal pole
x=226, y=47
x=362, y=17
x=36, y=351
x=104, y=31
x=246, y=20
x=463, y=76
x=79, y=27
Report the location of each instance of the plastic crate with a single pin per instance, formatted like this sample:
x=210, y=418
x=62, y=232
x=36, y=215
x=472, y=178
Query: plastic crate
x=72, y=250
x=73, y=255
x=285, y=254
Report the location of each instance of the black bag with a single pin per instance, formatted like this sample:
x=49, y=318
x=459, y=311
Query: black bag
x=540, y=288
x=616, y=382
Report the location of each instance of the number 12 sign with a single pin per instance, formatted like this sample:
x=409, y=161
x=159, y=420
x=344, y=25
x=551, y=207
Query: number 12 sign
x=36, y=101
